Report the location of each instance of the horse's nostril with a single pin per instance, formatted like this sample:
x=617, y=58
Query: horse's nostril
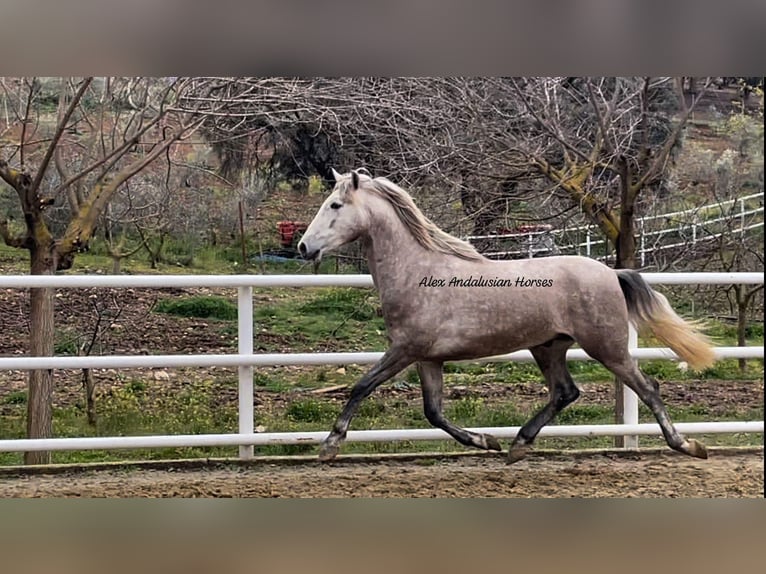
x=302, y=249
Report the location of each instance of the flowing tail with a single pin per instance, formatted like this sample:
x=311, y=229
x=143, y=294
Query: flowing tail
x=647, y=308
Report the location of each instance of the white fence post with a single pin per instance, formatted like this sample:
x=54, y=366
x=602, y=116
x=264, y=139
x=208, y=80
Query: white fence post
x=630, y=399
x=587, y=243
x=245, y=345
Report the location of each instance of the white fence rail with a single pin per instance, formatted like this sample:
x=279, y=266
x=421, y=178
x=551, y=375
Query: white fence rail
x=246, y=437
x=693, y=224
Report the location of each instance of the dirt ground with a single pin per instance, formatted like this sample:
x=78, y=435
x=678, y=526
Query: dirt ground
x=595, y=475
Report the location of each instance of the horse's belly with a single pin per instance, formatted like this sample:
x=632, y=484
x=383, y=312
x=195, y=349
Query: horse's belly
x=489, y=338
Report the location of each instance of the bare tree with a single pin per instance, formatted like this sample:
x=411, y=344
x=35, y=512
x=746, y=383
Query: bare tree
x=604, y=142
x=490, y=143
x=734, y=237
x=430, y=134
x=92, y=333
x=78, y=145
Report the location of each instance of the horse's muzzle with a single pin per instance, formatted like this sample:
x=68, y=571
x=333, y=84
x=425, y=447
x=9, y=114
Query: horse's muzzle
x=305, y=253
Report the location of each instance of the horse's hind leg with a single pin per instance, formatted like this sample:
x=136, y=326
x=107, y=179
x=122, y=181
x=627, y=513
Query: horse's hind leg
x=551, y=358
x=431, y=381
x=648, y=390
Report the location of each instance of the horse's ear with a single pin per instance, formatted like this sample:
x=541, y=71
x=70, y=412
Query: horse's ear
x=336, y=175
x=355, y=179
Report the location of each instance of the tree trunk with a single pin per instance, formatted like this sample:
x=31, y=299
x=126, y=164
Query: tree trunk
x=742, y=301
x=89, y=384
x=626, y=240
x=39, y=404
x=242, y=235
x=625, y=252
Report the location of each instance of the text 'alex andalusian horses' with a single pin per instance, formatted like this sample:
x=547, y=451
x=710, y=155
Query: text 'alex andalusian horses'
x=443, y=301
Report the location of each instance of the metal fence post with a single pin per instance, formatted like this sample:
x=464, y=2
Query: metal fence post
x=629, y=398
x=245, y=346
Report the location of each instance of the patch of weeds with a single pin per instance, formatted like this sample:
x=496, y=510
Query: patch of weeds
x=411, y=417
x=499, y=416
x=120, y=413
x=691, y=413
x=588, y=371
x=266, y=382
x=201, y=307
x=136, y=386
x=754, y=331
x=519, y=372
x=371, y=409
x=585, y=414
x=412, y=377
x=465, y=409
x=349, y=302
x=16, y=398
x=728, y=369
x=65, y=344
x=664, y=370
x=310, y=411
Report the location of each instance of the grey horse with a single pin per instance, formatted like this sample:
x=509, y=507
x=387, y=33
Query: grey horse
x=444, y=301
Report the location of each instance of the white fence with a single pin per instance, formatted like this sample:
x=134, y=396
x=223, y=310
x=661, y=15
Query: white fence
x=246, y=437
x=692, y=225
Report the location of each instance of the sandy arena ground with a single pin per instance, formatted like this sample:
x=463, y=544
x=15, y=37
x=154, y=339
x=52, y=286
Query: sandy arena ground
x=651, y=474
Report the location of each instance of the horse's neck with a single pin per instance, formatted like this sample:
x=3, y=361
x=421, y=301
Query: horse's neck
x=391, y=250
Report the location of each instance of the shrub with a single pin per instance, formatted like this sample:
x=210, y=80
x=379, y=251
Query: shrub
x=200, y=307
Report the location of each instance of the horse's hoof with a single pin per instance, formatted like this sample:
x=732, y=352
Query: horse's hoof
x=491, y=443
x=328, y=452
x=517, y=452
x=695, y=448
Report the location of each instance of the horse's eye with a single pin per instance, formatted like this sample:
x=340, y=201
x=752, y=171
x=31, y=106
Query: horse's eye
x=335, y=205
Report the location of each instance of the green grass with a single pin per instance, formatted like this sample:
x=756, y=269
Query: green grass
x=340, y=318
x=131, y=411
x=202, y=307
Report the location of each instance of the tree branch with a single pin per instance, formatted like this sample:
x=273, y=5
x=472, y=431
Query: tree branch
x=546, y=126
x=10, y=175
x=602, y=121
x=57, y=135
x=81, y=227
x=112, y=157
x=662, y=157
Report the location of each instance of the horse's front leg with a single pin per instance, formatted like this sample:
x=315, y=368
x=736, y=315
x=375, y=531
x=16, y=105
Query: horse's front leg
x=391, y=363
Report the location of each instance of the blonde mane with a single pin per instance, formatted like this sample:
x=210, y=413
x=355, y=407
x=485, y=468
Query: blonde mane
x=425, y=232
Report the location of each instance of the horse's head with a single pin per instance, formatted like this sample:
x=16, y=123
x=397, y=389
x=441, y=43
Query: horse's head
x=340, y=220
